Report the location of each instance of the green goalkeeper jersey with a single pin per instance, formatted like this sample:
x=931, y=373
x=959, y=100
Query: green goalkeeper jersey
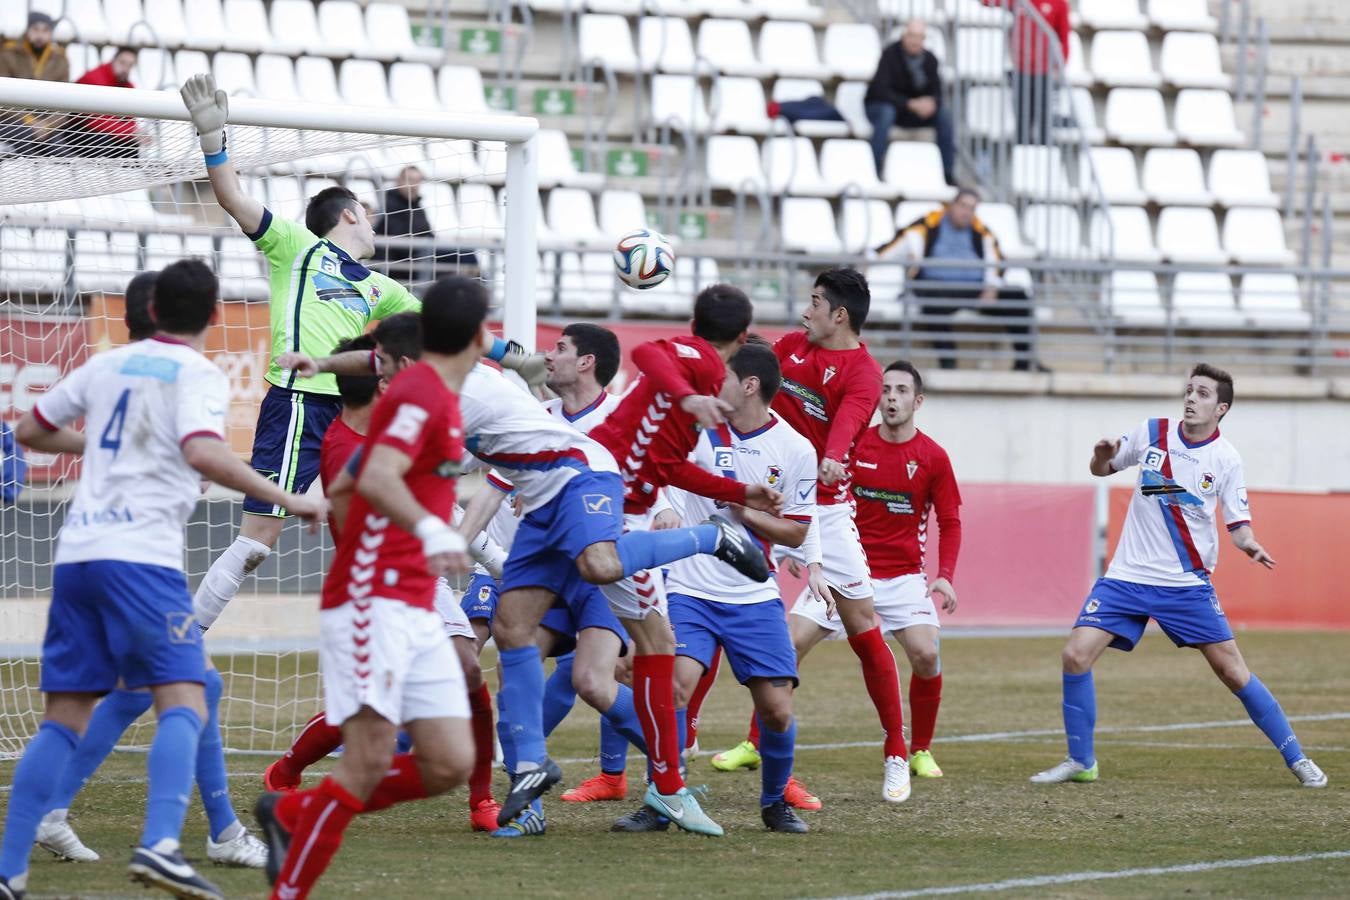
x=320, y=297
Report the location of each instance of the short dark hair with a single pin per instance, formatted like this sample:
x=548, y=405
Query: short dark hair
x=758, y=360
x=140, y=294
x=185, y=298
x=967, y=192
x=1222, y=378
x=453, y=311
x=400, y=335
x=847, y=287
x=132, y=50
x=357, y=390
x=597, y=341
x=722, y=313
x=325, y=208
x=904, y=365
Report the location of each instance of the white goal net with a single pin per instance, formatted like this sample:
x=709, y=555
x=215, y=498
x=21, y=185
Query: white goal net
x=99, y=184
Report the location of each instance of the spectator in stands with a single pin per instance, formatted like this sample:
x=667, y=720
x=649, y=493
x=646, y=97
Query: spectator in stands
x=33, y=56
x=955, y=234
x=104, y=135
x=404, y=217
x=907, y=91
x=1033, y=39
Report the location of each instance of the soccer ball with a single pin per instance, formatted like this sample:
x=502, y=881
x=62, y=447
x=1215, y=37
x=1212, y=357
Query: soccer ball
x=643, y=259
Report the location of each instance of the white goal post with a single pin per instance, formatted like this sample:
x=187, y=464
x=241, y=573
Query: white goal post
x=79, y=217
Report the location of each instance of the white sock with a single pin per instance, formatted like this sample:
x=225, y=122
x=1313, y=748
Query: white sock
x=225, y=577
x=55, y=816
x=230, y=833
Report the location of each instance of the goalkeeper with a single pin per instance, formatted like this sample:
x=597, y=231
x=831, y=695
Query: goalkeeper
x=321, y=295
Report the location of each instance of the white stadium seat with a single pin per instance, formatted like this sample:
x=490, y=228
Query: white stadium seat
x=13, y=20
x=246, y=28
x=557, y=166
x=1081, y=110
x=1055, y=230
x=975, y=12
x=609, y=40
x=362, y=83
x=1100, y=14
x=1255, y=237
x=1076, y=69
x=848, y=99
x=1174, y=177
x=187, y=63
x=807, y=225
x=907, y=212
x=479, y=215
x=316, y=80
x=1190, y=60
x=120, y=16
x=789, y=48
x=738, y=105
x=342, y=30
x=1118, y=175
x=1129, y=237
x=295, y=29
x=234, y=74
x=790, y=163
x=1241, y=178
x=161, y=249
x=166, y=16
x=982, y=52
x=1205, y=118
x=916, y=170
x=731, y=9
x=989, y=113
x=679, y=99
x=1182, y=15
x=413, y=86
x=622, y=211
x=904, y=10
x=664, y=44
x=1001, y=219
x=32, y=260
x=438, y=200
x=461, y=89
x=798, y=10
x=866, y=224
x=105, y=262
x=587, y=283
x=1134, y=298
x=848, y=161
x=390, y=35
x=153, y=70
x=1273, y=300
x=81, y=58
x=726, y=44
x=1122, y=59
x=1189, y=234
x=684, y=8
x=788, y=89
x=207, y=17
x=851, y=49
x=1205, y=300
x=1039, y=171
x=84, y=20
x=1137, y=116
x=571, y=213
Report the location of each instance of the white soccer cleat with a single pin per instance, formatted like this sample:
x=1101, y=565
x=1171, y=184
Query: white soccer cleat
x=895, y=788
x=1069, y=770
x=242, y=851
x=1308, y=774
x=57, y=837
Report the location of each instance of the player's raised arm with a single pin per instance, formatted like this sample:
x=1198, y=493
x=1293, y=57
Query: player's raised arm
x=349, y=362
x=209, y=109
x=34, y=435
x=854, y=412
x=381, y=483
x=1103, y=452
x=656, y=361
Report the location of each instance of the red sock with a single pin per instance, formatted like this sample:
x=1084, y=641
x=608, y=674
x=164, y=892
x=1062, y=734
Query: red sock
x=753, y=734
x=315, y=741
x=315, y=838
x=704, y=685
x=883, y=685
x=924, y=696
x=653, y=695
x=402, y=783
x=480, y=781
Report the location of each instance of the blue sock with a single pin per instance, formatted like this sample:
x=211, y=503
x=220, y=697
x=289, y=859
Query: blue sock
x=212, y=782
x=681, y=731
x=171, y=767
x=403, y=743
x=1080, y=716
x=775, y=751
x=559, y=695
x=35, y=778
x=640, y=550
x=1270, y=718
x=521, y=701
x=112, y=717
x=619, y=727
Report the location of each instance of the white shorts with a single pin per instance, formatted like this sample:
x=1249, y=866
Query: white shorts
x=452, y=614
x=900, y=603
x=643, y=594
x=843, y=562
x=391, y=657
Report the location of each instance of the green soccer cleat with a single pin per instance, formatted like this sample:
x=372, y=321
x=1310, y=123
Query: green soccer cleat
x=922, y=765
x=683, y=810
x=743, y=756
x=1069, y=770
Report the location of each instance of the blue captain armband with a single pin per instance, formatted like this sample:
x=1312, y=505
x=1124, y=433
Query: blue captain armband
x=215, y=159
x=499, y=349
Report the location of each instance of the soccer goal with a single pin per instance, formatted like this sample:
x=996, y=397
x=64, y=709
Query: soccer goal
x=98, y=184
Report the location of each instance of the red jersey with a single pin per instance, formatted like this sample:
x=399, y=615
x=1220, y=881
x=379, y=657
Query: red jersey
x=896, y=486
x=648, y=434
x=117, y=125
x=828, y=397
x=418, y=415
x=340, y=441
x=1030, y=47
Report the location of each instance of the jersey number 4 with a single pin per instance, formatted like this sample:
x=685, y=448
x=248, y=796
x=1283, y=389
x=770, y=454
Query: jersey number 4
x=111, y=438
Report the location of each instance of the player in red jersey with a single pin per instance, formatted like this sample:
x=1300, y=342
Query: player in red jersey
x=831, y=385
x=383, y=657
x=900, y=475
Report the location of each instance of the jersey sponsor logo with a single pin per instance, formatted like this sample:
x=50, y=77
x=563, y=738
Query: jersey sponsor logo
x=898, y=503
x=797, y=359
x=1168, y=492
x=598, y=504
x=448, y=468
x=1092, y=605
x=1153, y=459
x=1242, y=497
x=183, y=628
x=806, y=489
x=911, y=467
x=812, y=403
x=687, y=351
x=774, y=476
x=110, y=515
x=1207, y=483
x=156, y=367
x=330, y=287
x=1214, y=603
x=724, y=458
x=866, y=465
x=408, y=422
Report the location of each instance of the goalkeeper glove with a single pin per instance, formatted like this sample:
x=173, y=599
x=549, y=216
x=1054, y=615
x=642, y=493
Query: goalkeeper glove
x=530, y=366
x=208, y=108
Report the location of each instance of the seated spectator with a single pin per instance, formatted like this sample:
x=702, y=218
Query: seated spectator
x=33, y=56
x=907, y=91
x=404, y=217
x=105, y=135
x=954, y=233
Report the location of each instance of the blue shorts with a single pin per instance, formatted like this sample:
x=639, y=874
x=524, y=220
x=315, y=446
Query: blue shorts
x=480, y=598
x=113, y=620
x=754, y=636
x=583, y=606
x=1188, y=615
x=588, y=510
x=286, y=442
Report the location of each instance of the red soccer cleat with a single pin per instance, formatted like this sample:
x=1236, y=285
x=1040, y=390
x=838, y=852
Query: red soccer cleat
x=798, y=797
x=278, y=778
x=601, y=787
x=483, y=815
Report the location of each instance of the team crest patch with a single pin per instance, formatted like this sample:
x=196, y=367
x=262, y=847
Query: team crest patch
x=1092, y=606
x=598, y=504
x=374, y=292
x=911, y=467
x=183, y=628
x=484, y=593
x=1207, y=483
x=775, y=476
x=829, y=373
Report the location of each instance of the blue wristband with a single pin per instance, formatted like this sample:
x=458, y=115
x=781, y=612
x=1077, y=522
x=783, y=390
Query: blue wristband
x=499, y=348
x=215, y=159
